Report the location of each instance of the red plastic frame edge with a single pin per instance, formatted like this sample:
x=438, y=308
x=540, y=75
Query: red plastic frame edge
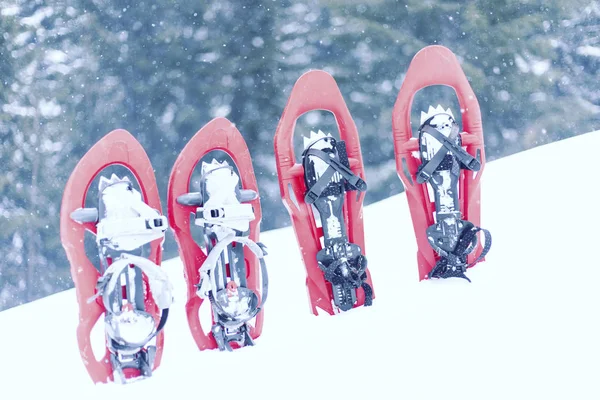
x=317, y=90
x=218, y=134
x=117, y=147
x=436, y=65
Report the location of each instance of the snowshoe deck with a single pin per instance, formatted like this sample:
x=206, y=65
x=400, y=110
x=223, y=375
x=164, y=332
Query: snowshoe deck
x=301, y=190
x=231, y=262
x=118, y=147
x=437, y=65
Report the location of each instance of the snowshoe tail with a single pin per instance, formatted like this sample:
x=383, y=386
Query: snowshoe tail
x=117, y=147
x=437, y=65
x=218, y=135
x=317, y=90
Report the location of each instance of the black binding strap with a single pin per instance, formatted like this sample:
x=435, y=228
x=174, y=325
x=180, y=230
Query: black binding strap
x=356, y=278
x=368, y=294
x=354, y=181
x=163, y=320
x=448, y=144
x=451, y=264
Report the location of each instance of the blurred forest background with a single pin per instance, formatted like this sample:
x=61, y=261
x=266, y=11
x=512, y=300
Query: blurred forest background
x=73, y=70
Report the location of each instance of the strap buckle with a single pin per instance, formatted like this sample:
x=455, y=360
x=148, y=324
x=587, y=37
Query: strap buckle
x=474, y=164
x=158, y=224
x=310, y=197
x=423, y=176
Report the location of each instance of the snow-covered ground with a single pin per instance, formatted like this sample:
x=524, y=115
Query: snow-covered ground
x=526, y=328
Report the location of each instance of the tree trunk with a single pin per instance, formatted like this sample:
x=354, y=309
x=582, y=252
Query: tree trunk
x=30, y=240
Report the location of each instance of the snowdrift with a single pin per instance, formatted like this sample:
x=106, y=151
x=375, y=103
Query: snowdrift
x=526, y=328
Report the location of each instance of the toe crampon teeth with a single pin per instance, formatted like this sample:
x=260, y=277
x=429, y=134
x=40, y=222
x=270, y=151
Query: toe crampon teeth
x=314, y=136
x=435, y=111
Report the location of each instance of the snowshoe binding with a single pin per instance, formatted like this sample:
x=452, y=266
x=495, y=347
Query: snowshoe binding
x=441, y=169
x=132, y=291
x=328, y=177
x=224, y=212
x=319, y=195
x=442, y=159
x=226, y=266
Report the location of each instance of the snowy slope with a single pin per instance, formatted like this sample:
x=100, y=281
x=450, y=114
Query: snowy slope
x=526, y=328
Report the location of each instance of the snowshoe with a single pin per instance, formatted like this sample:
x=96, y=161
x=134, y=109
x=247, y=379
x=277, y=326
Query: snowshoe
x=441, y=168
x=320, y=192
x=228, y=268
x=130, y=289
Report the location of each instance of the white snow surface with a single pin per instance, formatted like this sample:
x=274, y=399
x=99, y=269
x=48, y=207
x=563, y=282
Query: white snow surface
x=526, y=328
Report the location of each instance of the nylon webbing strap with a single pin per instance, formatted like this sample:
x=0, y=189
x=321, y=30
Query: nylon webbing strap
x=330, y=274
x=468, y=160
x=368, y=294
x=320, y=185
x=335, y=165
x=429, y=168
x=486, y=247
x=448, y=144
x=449, y=265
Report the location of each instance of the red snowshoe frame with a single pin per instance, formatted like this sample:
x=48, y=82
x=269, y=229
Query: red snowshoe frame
x=118, y=147
x=436, y=65
x=317, y=90
x=218, y=134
